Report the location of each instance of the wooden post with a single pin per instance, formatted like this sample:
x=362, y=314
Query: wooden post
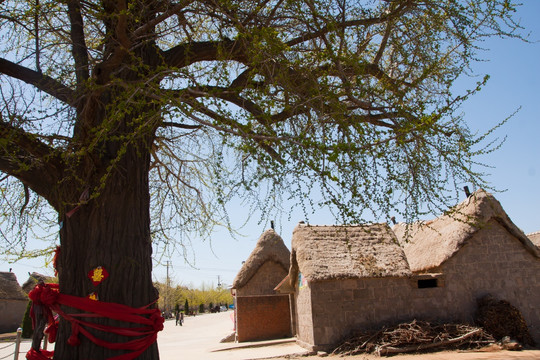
x=17, y=344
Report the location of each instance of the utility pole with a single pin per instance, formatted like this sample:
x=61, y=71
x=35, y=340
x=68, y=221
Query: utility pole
x=218, y=282
x=167, y=290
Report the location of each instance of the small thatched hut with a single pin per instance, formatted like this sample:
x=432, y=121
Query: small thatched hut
x=13, y=302
x=345, y=278
x=261, y=313
x=535, y=238
x=472, y=251
x=34, y=278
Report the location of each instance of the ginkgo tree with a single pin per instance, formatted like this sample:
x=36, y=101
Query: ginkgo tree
x=136, y=121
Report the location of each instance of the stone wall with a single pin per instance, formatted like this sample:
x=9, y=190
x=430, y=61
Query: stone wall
x=493, y=262
x=341, y=306
x=262, y=317
x=11, y=314
x=267, y=277
x=304, y=317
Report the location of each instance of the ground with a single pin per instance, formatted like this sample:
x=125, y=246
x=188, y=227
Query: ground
x=199, y=339
x=444, y=355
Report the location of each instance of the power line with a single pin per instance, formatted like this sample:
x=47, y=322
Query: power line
x=205, y=269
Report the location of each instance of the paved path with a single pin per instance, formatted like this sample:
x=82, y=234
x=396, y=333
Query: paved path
x=200, y=337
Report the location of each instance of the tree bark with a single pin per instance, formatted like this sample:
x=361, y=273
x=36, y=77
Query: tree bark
x=112, y=231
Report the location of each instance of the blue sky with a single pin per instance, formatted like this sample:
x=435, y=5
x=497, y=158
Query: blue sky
x=514, y=67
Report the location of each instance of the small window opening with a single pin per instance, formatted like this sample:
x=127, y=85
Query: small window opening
x=427, y=283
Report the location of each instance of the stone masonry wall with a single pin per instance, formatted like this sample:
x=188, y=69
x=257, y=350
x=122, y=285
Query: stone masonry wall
x=341, y=306
x=304, y=317
x=267, y=277
x=262, y=317
x=494, y=262
x=11, y=314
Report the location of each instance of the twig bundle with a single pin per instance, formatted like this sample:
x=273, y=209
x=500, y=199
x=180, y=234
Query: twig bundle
x=415, y=336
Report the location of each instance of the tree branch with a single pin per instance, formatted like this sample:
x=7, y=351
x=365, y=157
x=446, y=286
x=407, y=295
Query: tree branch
x=236, y=129
x=189, y=53
x=36, y=34
x=79, y=49
x=400, y=10
x=31, y=161
x=158, y=19
x=375, y=119
x=42, y=82
x=181, y=126
x=384, y=42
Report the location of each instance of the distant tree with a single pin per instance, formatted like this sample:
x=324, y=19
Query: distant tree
x=110, y=109
x=177, y=308
x=201, y=308
x=186, y=307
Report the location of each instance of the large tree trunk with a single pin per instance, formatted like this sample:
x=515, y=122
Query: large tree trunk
x=112, y=231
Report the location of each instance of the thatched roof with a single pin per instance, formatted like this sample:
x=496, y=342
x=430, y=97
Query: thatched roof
x=10, y=288
x=285, y=286
x=535, y=238
x=429, y=244
x=270, y=247
x=346, y=252
x=33, y=279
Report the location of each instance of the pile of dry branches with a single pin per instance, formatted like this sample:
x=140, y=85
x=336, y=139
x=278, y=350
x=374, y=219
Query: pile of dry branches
x=415, y=336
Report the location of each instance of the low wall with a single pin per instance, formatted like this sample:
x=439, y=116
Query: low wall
x=262, y=317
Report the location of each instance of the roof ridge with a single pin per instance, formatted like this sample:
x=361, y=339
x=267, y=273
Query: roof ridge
x=301, y=223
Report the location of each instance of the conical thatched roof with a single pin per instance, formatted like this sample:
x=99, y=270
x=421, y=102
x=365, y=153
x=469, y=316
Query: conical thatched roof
x=33, y=280
x=535, y=238
x=270, y=247
x=431, y=243
x=346, y=252
x=10, y=288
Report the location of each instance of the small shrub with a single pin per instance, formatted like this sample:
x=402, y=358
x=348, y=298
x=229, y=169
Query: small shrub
x=26, y=325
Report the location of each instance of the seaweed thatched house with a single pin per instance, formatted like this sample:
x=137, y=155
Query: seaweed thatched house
x=34, y=278
x=345, y=278
x=535, y=238
x=473, y=251
x=13, y=302
x=261, y=313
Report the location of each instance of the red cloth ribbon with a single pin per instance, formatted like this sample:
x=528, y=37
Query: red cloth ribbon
x=39, y=355
x=51, y=330
x=43, y=294
x=150, y=320
x=55, y=260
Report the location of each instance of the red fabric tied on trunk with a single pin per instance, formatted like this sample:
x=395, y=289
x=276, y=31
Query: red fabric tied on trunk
x=39, y=355
x=51, y=330
x=150, y=321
